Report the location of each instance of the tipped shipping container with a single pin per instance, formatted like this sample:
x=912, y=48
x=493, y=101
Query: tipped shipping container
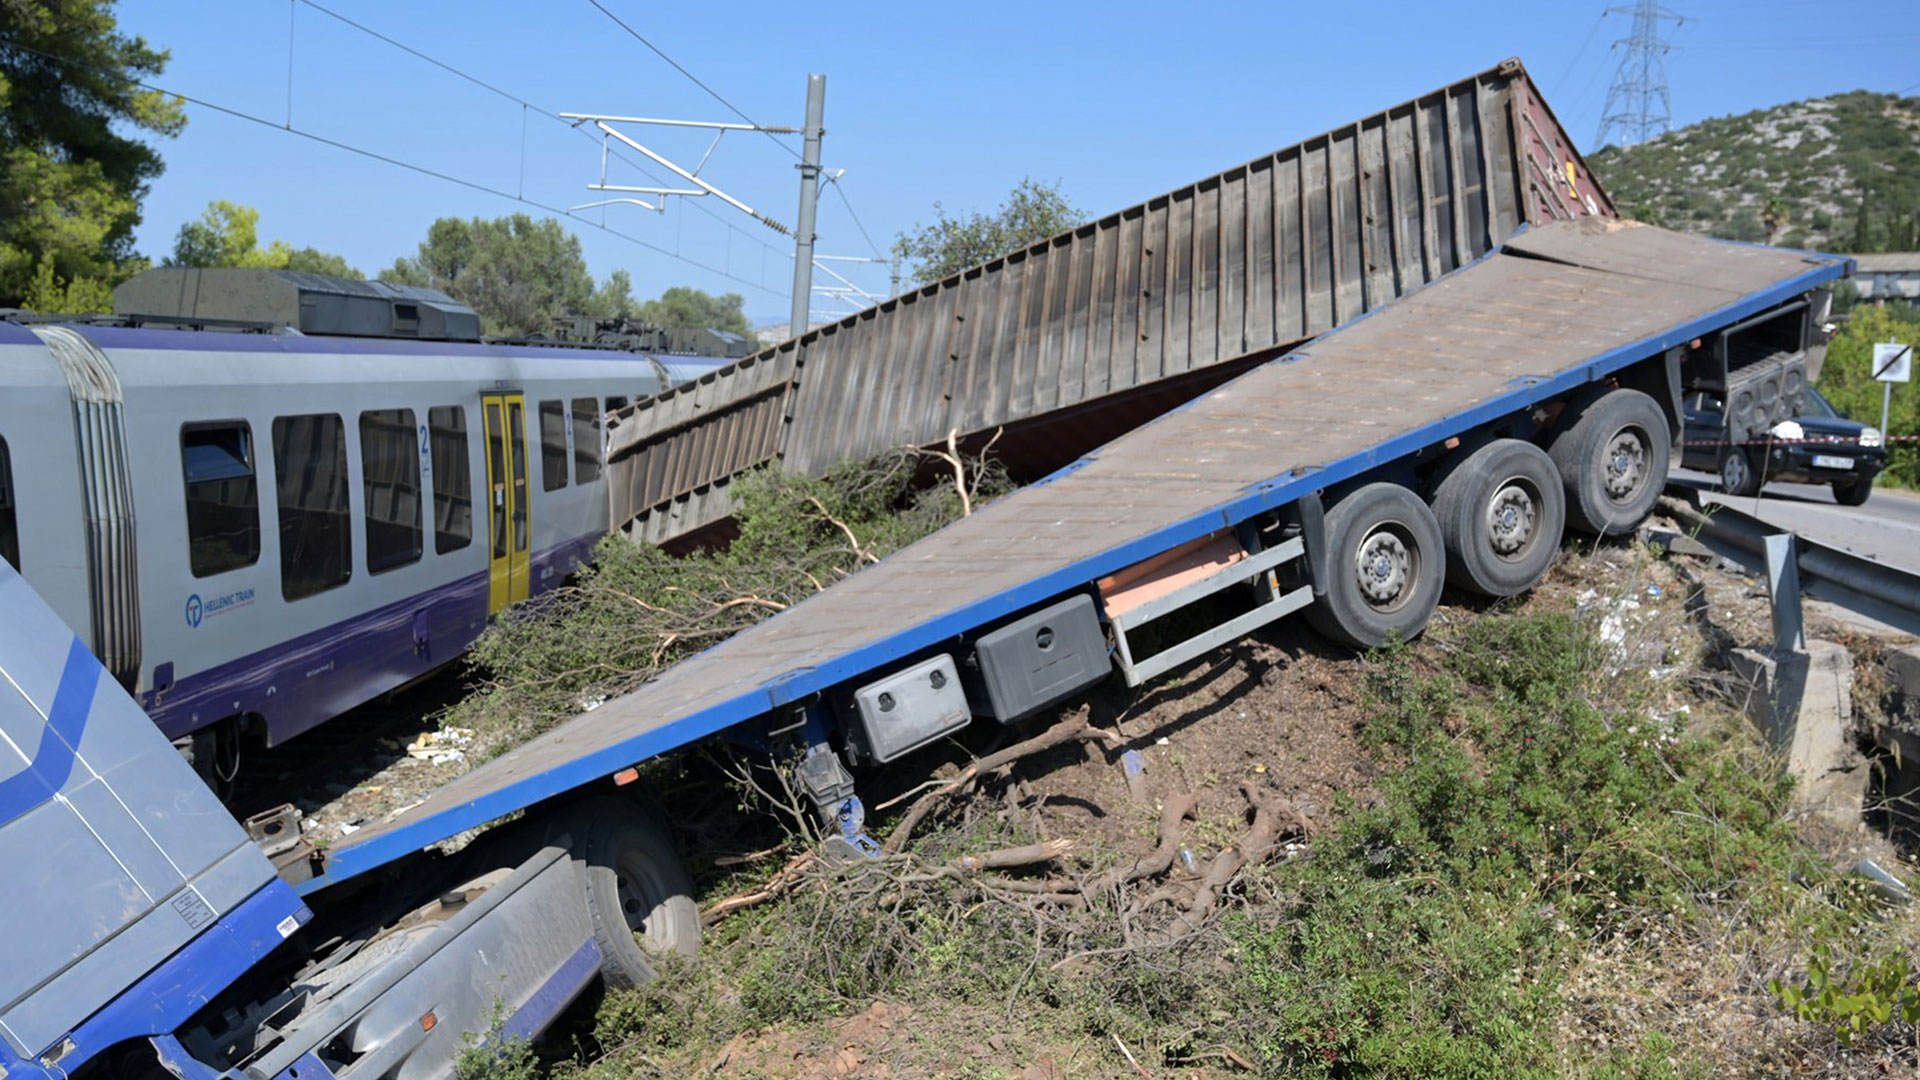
x=1066, y=344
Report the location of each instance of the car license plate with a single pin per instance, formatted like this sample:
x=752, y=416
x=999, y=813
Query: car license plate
x=1825, y=461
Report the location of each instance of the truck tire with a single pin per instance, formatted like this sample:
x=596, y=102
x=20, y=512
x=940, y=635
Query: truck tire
x=1501, y=510
x=1737, y=475
x=1612, y=452
x=1385, y=564
x=636, y=888
x=1854, y=494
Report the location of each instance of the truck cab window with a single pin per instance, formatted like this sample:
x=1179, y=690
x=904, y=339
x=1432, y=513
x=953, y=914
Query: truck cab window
x=9, y=524
x=223, y=496
x=390, y=478
x=553, y=445
x=310, y=474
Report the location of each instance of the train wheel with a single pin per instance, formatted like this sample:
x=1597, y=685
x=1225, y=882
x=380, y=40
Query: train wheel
x=1501, y=510
x=1612, y=457
x=637, y=890
x=1386, y=564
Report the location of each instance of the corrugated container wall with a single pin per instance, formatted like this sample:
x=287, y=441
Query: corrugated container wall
x=1234, y=268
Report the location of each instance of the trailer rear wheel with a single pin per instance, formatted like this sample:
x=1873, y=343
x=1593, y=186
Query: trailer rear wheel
x=1385, y=565
x=636, y=889
x=1501, y=511
x=1612, y=457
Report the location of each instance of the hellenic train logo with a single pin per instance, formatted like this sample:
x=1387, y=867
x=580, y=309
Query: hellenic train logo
x=193, y=610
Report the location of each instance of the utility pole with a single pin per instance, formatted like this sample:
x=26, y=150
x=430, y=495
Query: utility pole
x=809, y=203
x=896, y=273
x=1638, y=106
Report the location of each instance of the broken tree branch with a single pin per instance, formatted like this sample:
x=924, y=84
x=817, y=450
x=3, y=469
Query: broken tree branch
x=1072, y=729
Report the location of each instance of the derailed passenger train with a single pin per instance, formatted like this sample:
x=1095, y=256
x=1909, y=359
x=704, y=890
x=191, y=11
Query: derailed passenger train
x=258, y=525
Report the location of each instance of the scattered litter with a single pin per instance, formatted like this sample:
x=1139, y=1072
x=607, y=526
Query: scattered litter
x=348, y=828
x=440, y=747
x=588, y=704
x=1654, y=591
x=1884, y=883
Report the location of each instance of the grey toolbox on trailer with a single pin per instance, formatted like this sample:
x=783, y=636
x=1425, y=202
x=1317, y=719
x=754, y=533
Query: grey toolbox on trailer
x=131, y=893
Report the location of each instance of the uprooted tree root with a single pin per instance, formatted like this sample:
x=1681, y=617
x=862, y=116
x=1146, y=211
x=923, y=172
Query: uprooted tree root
x=1157, y=897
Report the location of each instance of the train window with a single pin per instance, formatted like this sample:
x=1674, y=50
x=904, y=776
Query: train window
x=553, y=445
x=9, y=526
x=586, y=440
x=615, y=404
x=452, y=479
x=223, y=496
x=390, y=477
x=316, y=532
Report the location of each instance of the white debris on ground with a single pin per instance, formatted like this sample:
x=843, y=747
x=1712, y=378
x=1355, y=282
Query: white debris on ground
x=442, y=746
x=1622, y=622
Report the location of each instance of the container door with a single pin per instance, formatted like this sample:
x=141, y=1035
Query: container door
x=508, y=526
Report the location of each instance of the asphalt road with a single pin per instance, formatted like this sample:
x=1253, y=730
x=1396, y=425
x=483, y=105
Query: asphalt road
x=1886, y=529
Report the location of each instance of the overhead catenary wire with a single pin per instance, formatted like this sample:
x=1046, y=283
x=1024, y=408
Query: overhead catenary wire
x=525, y=104
x=691, y=77
x=736, y=110
x=388, y=159
x=848, y=203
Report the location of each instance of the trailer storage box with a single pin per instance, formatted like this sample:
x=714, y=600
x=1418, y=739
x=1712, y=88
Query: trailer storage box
x=909, y=709
x=1035, y=661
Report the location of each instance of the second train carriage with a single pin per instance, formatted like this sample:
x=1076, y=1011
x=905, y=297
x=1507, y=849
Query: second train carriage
x=258, y=531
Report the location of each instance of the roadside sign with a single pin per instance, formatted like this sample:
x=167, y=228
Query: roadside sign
x=1893, y=362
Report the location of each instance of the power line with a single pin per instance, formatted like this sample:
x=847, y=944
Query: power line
x=736, y=110
x=384, y=158
x=523, y=103
x=1638, y=104
x=1561, y=83
x=838, y=190
x=695, y=79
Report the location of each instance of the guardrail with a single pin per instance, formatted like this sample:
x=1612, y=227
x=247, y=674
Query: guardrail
x=1884, y=592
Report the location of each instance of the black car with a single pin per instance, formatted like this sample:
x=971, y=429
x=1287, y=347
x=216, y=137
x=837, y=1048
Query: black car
x=1820, y=446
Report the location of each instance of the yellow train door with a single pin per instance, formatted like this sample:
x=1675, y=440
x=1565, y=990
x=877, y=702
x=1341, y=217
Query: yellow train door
x=509, y=527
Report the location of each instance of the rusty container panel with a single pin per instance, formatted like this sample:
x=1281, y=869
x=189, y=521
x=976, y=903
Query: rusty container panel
x=1250, y=262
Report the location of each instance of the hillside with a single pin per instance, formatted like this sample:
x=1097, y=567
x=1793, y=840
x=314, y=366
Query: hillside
x=1840, y=173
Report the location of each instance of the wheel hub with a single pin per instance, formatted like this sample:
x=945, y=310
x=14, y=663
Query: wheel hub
x=1626, y=466
x=1383, y=567
x=1511, y=518
x=633, y=901
x=1733, y=474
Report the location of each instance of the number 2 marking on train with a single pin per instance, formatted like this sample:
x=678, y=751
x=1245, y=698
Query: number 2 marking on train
x=426, y=456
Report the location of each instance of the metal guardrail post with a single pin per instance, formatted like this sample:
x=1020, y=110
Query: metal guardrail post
x=1783, y=593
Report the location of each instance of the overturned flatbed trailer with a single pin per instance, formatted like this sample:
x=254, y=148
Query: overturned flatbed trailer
x=1091, y=333
x=1535, y=327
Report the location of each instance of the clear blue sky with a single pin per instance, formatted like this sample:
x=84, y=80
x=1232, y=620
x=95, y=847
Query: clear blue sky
x=950, y=103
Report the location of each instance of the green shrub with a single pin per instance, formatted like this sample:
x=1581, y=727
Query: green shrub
x=1531, y=812
x=1870, y=995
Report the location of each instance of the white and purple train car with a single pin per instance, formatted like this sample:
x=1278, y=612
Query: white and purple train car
x=256, y=531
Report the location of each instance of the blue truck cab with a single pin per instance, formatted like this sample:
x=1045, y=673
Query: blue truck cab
x=132, y=896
